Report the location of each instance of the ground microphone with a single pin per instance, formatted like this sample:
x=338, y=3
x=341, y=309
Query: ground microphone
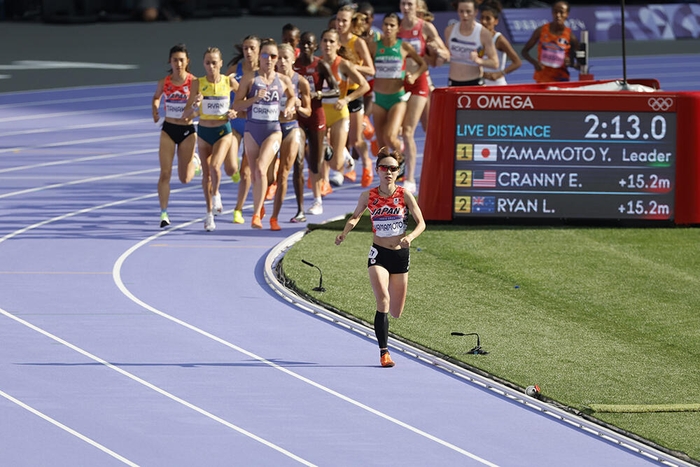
x=320, y=280
x=476, y=350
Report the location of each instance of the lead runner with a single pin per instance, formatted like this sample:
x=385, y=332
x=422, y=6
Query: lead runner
x=389, y=206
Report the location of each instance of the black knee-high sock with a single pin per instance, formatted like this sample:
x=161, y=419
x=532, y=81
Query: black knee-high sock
x=381, y=329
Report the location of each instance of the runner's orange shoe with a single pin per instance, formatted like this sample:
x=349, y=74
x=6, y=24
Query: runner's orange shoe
x=326, y=188
x=367, y=177
x=271, y=190
x=256, y=223
x=274, y=225
x=386, y=360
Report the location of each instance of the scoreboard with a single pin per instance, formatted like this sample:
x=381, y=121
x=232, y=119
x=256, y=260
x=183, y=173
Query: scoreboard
x=565, y=164
x=535, y=153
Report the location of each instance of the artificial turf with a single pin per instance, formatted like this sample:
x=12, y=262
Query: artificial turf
x=592, y=315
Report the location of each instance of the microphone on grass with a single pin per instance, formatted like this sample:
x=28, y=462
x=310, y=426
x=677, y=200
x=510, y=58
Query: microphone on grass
x=320, y=280
x=477, y=350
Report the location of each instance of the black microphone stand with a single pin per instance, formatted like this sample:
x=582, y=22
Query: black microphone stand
x=320, y=287
x=477, y=350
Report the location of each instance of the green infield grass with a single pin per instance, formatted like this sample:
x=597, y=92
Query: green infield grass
x=597, y=317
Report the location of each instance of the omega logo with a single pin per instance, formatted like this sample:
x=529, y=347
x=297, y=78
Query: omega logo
x=464, y=102
x=500, y=101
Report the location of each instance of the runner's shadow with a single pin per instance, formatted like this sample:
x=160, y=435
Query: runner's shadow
x=243, y=364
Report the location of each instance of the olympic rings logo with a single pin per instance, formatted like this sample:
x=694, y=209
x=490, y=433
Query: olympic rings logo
x=660, y=103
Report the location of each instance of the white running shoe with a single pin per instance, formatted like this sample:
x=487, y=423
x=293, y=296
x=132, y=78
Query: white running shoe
x=410, y=186
x=316, y=208
x=216, y=203
x=335, y=178
x=349, y=162
x=164, y=220
x=209, y=224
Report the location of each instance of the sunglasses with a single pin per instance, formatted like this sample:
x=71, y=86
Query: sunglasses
x=388, y=168
x=266, y=55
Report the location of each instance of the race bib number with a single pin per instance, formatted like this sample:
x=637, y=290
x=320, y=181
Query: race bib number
x=215, y=105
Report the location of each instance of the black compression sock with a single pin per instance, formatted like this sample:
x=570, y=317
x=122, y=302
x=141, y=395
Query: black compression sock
x=381, y=329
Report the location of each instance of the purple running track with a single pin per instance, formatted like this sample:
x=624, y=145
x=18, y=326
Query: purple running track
x=121, y=343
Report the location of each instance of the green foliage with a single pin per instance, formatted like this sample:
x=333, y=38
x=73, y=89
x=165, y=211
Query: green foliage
x=592, y=315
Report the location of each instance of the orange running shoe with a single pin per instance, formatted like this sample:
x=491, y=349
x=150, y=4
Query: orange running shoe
x=271, y=190
x=367, y=128
x=256, y=223
x=386, y=360
x=351, y=175
x=367, y=177
x=375, y=147
x=262, y=212
x=274, y=225
x=326, y=188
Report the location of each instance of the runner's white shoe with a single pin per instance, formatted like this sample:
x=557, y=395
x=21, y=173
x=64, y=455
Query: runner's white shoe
x=209, y=224
x=410, y=186
x=316, y=208
x=164, y=220
x=217, y=206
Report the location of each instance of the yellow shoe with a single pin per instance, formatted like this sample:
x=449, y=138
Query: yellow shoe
x=238, y=217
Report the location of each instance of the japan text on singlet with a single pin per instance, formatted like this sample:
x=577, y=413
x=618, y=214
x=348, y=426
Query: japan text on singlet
x=176, y=96
x=388, y=215
x=216, y=98
x=268, y=108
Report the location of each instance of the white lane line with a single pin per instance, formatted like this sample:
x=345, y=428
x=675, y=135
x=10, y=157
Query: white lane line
x=66, y=428
x=150, y=134
x=116, y=273
x=78, y=182
x=119, y=370
x=157, y=389
x=79, y=159
x=81, y=211
x=54, y=129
